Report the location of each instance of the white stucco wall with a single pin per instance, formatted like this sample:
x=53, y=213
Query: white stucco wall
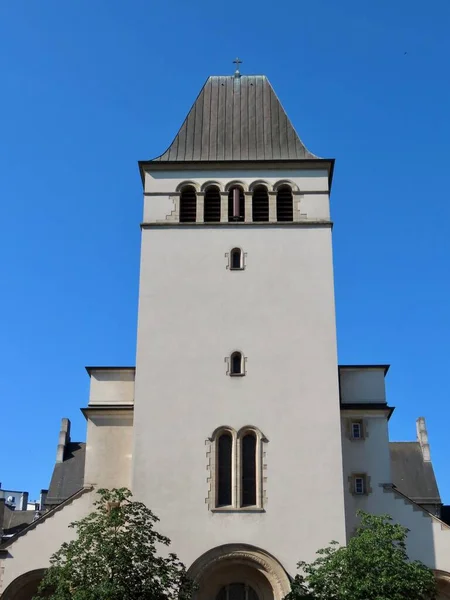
x=109, y=449
x=279, y=312
x=428, y=539
x=311, y=188
x=111, y=386
x=362, y=385
x=34, y=549
x=369, y=456
x=308, y=180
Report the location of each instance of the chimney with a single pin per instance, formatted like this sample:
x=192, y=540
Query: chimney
x=2, y=517
x=42, y=499
x=422, y=438
x=23, y=501
x=64, y=439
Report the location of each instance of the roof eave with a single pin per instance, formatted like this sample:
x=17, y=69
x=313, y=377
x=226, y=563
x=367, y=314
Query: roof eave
x=365, y=367
x=152, y=165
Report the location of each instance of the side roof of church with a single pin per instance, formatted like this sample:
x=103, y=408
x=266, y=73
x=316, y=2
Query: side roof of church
x=236, y=118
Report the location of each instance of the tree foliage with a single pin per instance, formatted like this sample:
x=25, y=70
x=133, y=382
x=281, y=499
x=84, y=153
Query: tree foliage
x=114, y=557
x=373, y=566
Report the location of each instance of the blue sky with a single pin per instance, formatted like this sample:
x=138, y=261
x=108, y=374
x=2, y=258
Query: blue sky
x=90, y=87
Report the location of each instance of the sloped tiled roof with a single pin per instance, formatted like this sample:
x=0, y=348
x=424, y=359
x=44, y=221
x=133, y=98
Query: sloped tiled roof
x=411, y=474
x=68, y=476
x=234, y=119
x=16, y=520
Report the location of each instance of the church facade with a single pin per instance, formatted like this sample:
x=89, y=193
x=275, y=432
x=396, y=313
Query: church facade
x=237, y=426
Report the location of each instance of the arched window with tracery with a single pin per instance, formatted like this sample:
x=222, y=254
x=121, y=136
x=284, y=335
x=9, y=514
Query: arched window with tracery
x=248, y=469
x=236, y=204
x=260, y=204
x=285, y=210
x=224, y=469
x=211, y=211
x=188, y=204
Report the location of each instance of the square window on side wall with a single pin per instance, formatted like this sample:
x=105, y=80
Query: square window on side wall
x=359, y=485
x=357, y=429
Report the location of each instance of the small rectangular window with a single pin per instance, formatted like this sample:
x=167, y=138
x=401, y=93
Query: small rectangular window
x=360, y=485
x=357, y=433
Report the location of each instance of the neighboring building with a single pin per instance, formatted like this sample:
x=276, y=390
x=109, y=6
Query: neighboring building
x=14, y=498
x=237, y=427
x=17, y=512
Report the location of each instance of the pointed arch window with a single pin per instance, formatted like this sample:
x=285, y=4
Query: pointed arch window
x=260, y=204
x=211, y=211
x=236, y=204
x=248, y=470
x=236, y=259
x=285, y=210
x=224, y=469
x=188, y=205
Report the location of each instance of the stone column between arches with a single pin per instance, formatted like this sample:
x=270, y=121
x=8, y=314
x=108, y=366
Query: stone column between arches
x=239, y=563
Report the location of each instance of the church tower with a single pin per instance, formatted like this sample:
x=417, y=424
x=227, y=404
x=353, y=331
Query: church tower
x=237, y=441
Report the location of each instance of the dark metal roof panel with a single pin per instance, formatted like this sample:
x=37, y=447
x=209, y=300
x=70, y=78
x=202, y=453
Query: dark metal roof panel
x=411, y=474
x=68, y=476
x=16, y=520
x=233, y=119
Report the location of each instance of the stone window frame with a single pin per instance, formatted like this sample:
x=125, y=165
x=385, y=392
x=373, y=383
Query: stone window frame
x=366, y=484
x=227, y=360
x=236, y=470
x=243, y=259
x=363, y=428
x=247, y=188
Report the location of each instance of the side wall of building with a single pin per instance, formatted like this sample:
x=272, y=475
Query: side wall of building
x=429, y=538
x=109, y=437
x=33, y=549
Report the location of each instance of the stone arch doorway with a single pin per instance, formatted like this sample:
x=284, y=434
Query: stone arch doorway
x=237, y=591
x=239, y=572
x=25, y=586
x=443, y=585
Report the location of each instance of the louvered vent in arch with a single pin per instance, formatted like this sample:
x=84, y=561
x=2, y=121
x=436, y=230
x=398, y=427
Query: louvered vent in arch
x=285, y=210
x=188, y=205
x=260, y=204
x=211, y=212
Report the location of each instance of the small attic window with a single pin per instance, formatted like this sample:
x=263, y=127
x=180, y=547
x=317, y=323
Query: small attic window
x=357, y=430
x=359, y=485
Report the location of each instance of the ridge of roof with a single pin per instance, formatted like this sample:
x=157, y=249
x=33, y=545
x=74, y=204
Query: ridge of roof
x=233, y=119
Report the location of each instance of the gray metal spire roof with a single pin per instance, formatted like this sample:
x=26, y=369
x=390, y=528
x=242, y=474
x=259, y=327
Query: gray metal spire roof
x=236, y=118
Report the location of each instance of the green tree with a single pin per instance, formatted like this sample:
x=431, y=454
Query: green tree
x=373, y=566
x=114, y=557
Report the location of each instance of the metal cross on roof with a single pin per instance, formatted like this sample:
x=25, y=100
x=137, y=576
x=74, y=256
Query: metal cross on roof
x=237, y=62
